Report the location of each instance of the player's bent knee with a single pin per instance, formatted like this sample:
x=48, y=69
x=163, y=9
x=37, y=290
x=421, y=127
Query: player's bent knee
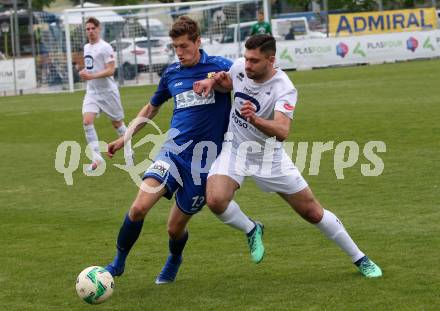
x=175, y=233
x=313, y=212
x=313, y=217
x=88, y=119
x=216, y=203
x=138, y=212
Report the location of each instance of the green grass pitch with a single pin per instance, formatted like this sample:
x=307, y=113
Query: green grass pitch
x=49, y=231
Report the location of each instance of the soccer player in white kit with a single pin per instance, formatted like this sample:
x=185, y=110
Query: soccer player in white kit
x=260, y=119
x=102, y=94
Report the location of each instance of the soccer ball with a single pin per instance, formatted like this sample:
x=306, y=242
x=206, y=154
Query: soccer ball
x=94, y=285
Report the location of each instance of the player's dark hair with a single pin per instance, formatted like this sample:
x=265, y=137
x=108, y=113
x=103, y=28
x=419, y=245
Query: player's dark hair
x=93, y=20
x=266, y=44
x=185, y=26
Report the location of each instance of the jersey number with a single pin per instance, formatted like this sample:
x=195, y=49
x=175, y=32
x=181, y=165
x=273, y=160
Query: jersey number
x=198, y=201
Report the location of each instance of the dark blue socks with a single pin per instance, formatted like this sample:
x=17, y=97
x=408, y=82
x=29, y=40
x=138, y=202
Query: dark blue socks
x=176, y=247
x=128, y=234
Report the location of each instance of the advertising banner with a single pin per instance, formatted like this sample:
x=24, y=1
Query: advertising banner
x=307, y=54
x=370, y=49
x=25, y=77
x=365, y=23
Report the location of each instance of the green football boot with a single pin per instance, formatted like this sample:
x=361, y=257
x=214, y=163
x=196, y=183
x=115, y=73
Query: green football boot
x=368, y=268
x=255, y=242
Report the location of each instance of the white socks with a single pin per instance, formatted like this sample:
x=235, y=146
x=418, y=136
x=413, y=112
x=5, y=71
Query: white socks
x=128, y=152
x=121, y=130
x=234, y=217
x=332, y=227
x=92, y=139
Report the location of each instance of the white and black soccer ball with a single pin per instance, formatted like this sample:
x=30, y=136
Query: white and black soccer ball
x=94, y=285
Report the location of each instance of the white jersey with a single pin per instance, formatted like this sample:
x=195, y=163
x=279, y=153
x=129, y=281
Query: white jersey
x=276, y=94
x=250, y=152
x=96, y=56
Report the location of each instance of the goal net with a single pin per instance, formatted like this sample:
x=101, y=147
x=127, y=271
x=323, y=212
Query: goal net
x=139, y=34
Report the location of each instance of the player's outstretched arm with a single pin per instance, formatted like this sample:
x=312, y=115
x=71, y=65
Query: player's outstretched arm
x=279, y=127
x=115, y=146
x=148, y=111
x=220, y=82
x=223, y=81
x=203, y=87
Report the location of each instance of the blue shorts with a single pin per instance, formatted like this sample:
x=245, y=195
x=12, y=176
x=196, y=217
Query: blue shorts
x=174, y=171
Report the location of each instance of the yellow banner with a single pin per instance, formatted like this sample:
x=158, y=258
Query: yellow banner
x=381, y=22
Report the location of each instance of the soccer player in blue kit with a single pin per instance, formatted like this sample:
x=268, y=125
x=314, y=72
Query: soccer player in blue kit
x=196, y=119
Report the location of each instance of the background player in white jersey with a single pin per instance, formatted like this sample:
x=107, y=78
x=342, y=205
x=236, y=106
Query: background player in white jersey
x=102, y=94
x=264, y=102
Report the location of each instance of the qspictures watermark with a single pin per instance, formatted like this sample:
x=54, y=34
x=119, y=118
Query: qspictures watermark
x=250, y=157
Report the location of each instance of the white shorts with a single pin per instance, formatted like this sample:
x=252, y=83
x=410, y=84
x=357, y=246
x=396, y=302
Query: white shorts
x=280, y=175
x=108, y=102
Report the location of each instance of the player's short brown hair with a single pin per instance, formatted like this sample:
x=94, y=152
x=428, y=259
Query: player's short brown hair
x=265, y=43
x=185, y=26
x=94, y=21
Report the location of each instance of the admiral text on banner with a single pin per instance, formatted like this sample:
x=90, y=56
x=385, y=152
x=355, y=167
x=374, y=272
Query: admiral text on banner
x=364, y=23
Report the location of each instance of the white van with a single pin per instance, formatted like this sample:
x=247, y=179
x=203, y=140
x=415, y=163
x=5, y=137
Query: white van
x=157, y=28
x=280, y=30
x=294, y=29
x=228, y=46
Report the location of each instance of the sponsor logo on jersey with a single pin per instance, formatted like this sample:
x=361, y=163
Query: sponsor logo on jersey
x=240, y=76
x=249, y=98
x=190, y=99
x=238, y=119
x=250, y=92
x=88, y=62
x=288, y=106
x=159, y=167
x=178, y=84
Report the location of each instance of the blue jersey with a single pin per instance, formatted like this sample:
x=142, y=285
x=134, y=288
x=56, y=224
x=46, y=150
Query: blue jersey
x=196, y=118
